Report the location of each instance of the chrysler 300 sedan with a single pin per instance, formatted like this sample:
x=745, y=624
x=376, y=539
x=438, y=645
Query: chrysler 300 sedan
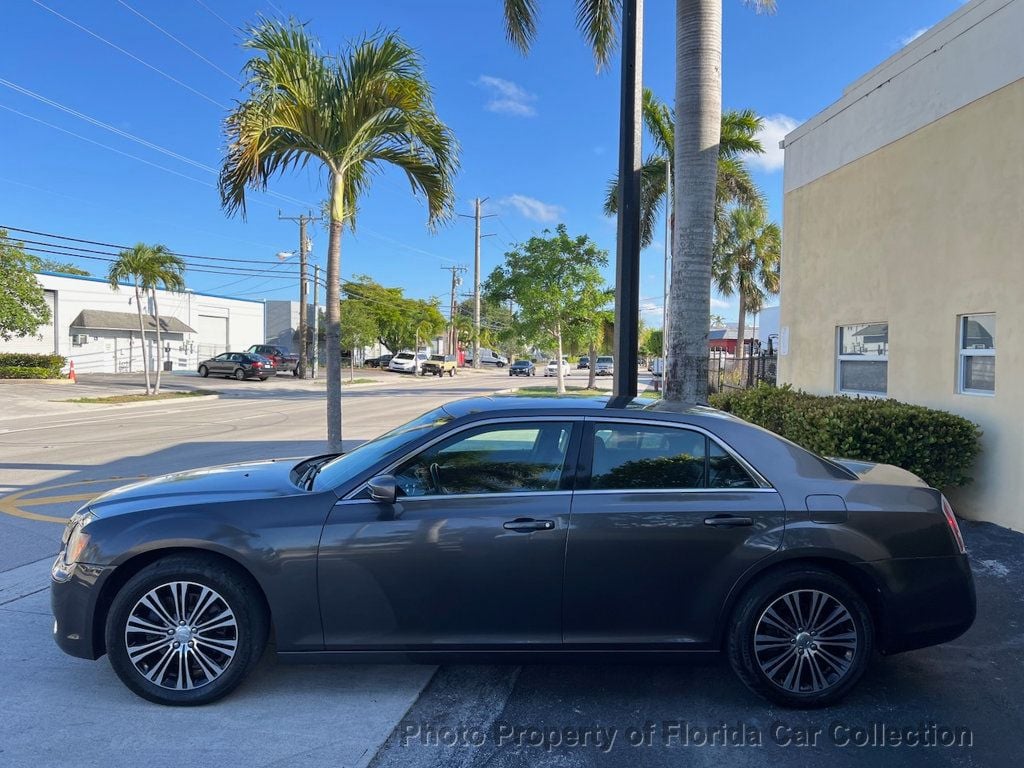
x=519, y=528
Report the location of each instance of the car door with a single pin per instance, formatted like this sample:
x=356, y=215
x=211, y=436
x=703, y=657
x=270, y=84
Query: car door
x=471, y=555
x=220, y=363
x=665, y=520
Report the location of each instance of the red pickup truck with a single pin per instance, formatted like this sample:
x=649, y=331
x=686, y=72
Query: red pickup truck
x=283, y=361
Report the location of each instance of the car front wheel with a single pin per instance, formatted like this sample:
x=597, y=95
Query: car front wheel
x=204, y=371
x=801, y=637
x=185, y=631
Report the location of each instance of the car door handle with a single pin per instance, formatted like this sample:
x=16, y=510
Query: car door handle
x=527, y=524
x=728, y=521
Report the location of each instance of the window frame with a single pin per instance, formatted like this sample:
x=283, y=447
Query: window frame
x=962, y=353
x=586, y=460
x=840, y=358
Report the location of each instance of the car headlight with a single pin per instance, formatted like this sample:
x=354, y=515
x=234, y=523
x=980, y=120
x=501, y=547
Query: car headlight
x=77, y=539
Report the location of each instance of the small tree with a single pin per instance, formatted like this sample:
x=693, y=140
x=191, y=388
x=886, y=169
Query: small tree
x=551, y=278
x=357, y=330
x=23, y=305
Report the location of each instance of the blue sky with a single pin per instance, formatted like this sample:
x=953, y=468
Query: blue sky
x=538, y=134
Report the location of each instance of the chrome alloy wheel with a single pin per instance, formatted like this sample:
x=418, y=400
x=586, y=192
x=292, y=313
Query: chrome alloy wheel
x=181, y=635
x=805, y=641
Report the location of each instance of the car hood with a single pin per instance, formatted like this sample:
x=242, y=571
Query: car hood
x=880, y=474
x=230, y=482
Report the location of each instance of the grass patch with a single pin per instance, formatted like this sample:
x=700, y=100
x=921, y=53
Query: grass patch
x=115, y=399
x=359, y=381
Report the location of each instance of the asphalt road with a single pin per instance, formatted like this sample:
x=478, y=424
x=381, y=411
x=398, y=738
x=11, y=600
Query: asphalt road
x=59, y=709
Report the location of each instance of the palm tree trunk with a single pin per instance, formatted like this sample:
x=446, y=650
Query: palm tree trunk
x=592, y=373
x=333, y=330
x=561, y=379
x=159, y=347
x=698, y=131
x=142, y=333
x=741, y=330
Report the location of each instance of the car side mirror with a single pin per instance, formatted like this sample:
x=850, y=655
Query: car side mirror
x=383, y=488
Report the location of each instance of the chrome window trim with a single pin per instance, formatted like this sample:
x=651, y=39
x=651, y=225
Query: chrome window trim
x=757, y=476
x=503, y=494
x=498, y=420
x=621, y=491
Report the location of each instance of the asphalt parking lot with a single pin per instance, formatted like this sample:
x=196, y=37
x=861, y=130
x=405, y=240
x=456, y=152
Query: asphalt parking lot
x=61, y=710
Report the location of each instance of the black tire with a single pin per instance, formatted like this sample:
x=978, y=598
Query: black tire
x=451, y=373
x=235, y=591
x=295, y=371
x=805, y=692
x=204, y=371
x=239, y=374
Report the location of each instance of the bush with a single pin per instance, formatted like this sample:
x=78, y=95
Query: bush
x=25, y=366
x=937, y=446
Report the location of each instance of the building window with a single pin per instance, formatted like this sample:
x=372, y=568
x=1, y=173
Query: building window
x=977, y=368
x=862, y=362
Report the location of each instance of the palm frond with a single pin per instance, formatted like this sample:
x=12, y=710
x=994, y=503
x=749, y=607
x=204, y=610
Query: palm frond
x=598, y=20
x=521, y=23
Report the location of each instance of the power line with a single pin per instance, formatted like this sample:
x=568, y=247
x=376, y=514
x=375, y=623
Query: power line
x=130, y=55
x=210, y=10
x=183, y=44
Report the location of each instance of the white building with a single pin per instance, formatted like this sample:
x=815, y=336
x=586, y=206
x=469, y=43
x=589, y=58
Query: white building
x=98, y=327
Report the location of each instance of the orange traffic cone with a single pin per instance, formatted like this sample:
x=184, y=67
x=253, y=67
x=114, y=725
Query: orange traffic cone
x=71, y=373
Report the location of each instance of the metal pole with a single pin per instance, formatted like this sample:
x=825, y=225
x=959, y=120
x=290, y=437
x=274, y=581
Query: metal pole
x=316, y=319
x=627, y=262
x=303, y=337
x=476, y=290
x=668, y=272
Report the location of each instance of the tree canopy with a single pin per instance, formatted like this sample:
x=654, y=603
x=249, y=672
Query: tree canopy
x=398, y=322
x=23, y=307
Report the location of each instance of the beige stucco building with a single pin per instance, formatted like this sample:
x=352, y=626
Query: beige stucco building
x=903, y=253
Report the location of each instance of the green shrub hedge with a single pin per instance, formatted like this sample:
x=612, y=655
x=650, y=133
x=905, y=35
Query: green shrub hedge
x=25, y=366
x=937, y=446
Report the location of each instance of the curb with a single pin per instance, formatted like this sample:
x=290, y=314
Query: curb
x=144, y=404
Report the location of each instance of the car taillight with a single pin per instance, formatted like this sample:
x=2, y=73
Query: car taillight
x=257, y=364
x=954, y=527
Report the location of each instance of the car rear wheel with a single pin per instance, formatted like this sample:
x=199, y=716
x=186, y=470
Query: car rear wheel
x=239, y=374
x=184, y=631
x=204, y=371
x=801, y=637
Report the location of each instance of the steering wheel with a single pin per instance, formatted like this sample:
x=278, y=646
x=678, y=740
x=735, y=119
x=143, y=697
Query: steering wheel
x=435, y=477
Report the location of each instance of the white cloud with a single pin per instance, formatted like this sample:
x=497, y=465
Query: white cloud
x=908, y=39
x=532, y=208
x=717, y=303
x=507, y=97
x=772, y=132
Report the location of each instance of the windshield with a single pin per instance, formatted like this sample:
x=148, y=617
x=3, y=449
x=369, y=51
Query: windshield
x=437, y=358
x=403, y=356
x=356, y=461
x=607, y=360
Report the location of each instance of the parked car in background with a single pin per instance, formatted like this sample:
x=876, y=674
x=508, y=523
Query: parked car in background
x=378, y=362
x=407, y=362
x=551, y=369
x=522, y=368
x=238, y=365
x=584, y=362
x=605, y=366
x=487, y=357
x=284, y=362
x=657, y=367
x=439, y=365
x=700, y=532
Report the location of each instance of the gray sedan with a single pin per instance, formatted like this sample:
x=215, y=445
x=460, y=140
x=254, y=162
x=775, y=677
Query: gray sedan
x=519, y=528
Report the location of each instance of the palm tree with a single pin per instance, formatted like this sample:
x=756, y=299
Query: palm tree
x=747, y=263
x=351, y=114
x=698, y=109
x=144, y=267
x=168, y=271
x=739, y=136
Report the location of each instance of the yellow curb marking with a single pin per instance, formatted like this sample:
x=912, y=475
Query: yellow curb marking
x=12, y=503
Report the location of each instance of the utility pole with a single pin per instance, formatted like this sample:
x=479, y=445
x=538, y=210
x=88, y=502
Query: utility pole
x=316, y=319
x=303, y=250
x=453, y=307
x=627, y=253
x=476, y=277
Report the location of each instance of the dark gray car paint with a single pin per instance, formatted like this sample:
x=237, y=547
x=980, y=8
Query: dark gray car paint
x=448, y=576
